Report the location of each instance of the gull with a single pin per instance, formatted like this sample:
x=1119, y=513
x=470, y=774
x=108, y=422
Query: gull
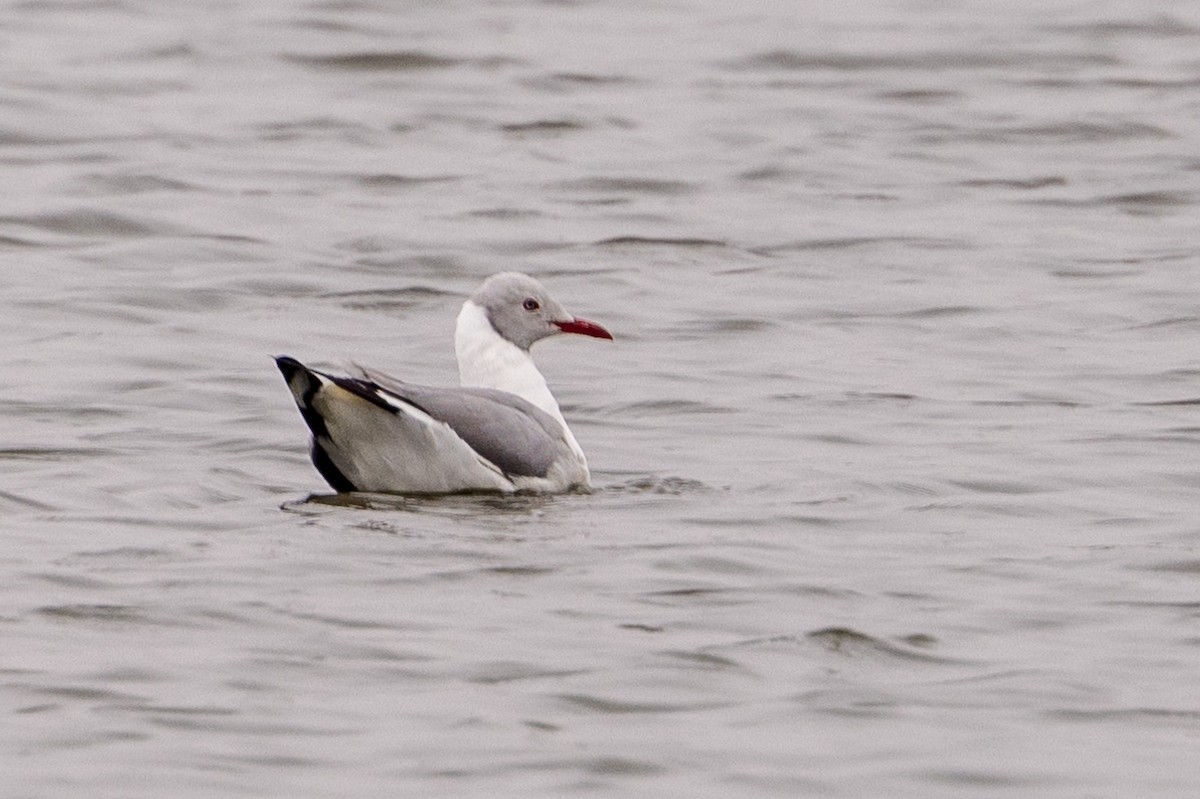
x=501, y=431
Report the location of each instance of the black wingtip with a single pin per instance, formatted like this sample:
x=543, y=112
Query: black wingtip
x=304, y=385
x=289, y=366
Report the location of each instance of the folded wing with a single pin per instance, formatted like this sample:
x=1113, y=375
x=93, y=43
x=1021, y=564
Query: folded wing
x=372, y=432
x=518, y=437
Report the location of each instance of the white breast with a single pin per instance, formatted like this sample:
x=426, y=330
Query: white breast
x=487, y=360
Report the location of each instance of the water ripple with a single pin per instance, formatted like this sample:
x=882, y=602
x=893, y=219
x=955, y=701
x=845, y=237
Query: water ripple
x=91, y=222
x=607, y=706
x=799, y=61
x=627, y=185
x=384, y=61
x=852, y=643
x=650, y=241
x=543, y=126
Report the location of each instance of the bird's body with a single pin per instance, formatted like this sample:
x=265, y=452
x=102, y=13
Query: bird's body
x=502, y=431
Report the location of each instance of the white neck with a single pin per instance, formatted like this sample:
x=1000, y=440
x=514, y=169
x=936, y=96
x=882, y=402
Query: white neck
x=486, y=360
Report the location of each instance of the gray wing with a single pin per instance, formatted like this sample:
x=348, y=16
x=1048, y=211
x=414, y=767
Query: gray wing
x=509, y=431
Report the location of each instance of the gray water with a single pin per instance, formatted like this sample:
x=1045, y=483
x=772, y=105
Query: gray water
x=894, y=457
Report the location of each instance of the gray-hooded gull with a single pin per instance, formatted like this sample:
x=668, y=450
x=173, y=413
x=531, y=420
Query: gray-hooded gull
x=502, y=431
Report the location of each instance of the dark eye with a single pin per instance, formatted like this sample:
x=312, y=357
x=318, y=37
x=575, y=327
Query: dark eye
x=531, y=304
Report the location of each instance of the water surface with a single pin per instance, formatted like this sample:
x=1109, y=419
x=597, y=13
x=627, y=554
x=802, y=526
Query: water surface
x=894, y=454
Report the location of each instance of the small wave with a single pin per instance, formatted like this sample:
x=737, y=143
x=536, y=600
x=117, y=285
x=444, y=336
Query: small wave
x=665, y=407
x=543, y=126
x=129, y=553
x=915, y=242
x=850, y=642
x=501, y=672
x=14, y=241
x=1009, y=487
x=728, y=325
x=1159, y=26
x=342, y=622
x=1133, y=201
x=384, y=61
x=652, y=484
x=665, y=241
x=292, y=130
x=386, y=299
x=921, y=95
x=938, y=312
x=1016, y=183
x=880, y=396
x=1136, y=714
x=50, y=453
x=1191, y=567
x=1185, y=322
x=11, y=501
x=179, y=50
x=386, y=181
x=89, y=222
x=371, y=245
x=702, y=659
x=619, y=706
x=112, y=614
x=1181, y=402
x=770, y=172
x=803, y=61
x=1060, y=133
x=627, y=186
x=591, y=79
x=1150, y=83
x=1028, y=402
x=505, y=213
x=133, y=184
x=562, y=82
x=94, y=612
x=1094, y=274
